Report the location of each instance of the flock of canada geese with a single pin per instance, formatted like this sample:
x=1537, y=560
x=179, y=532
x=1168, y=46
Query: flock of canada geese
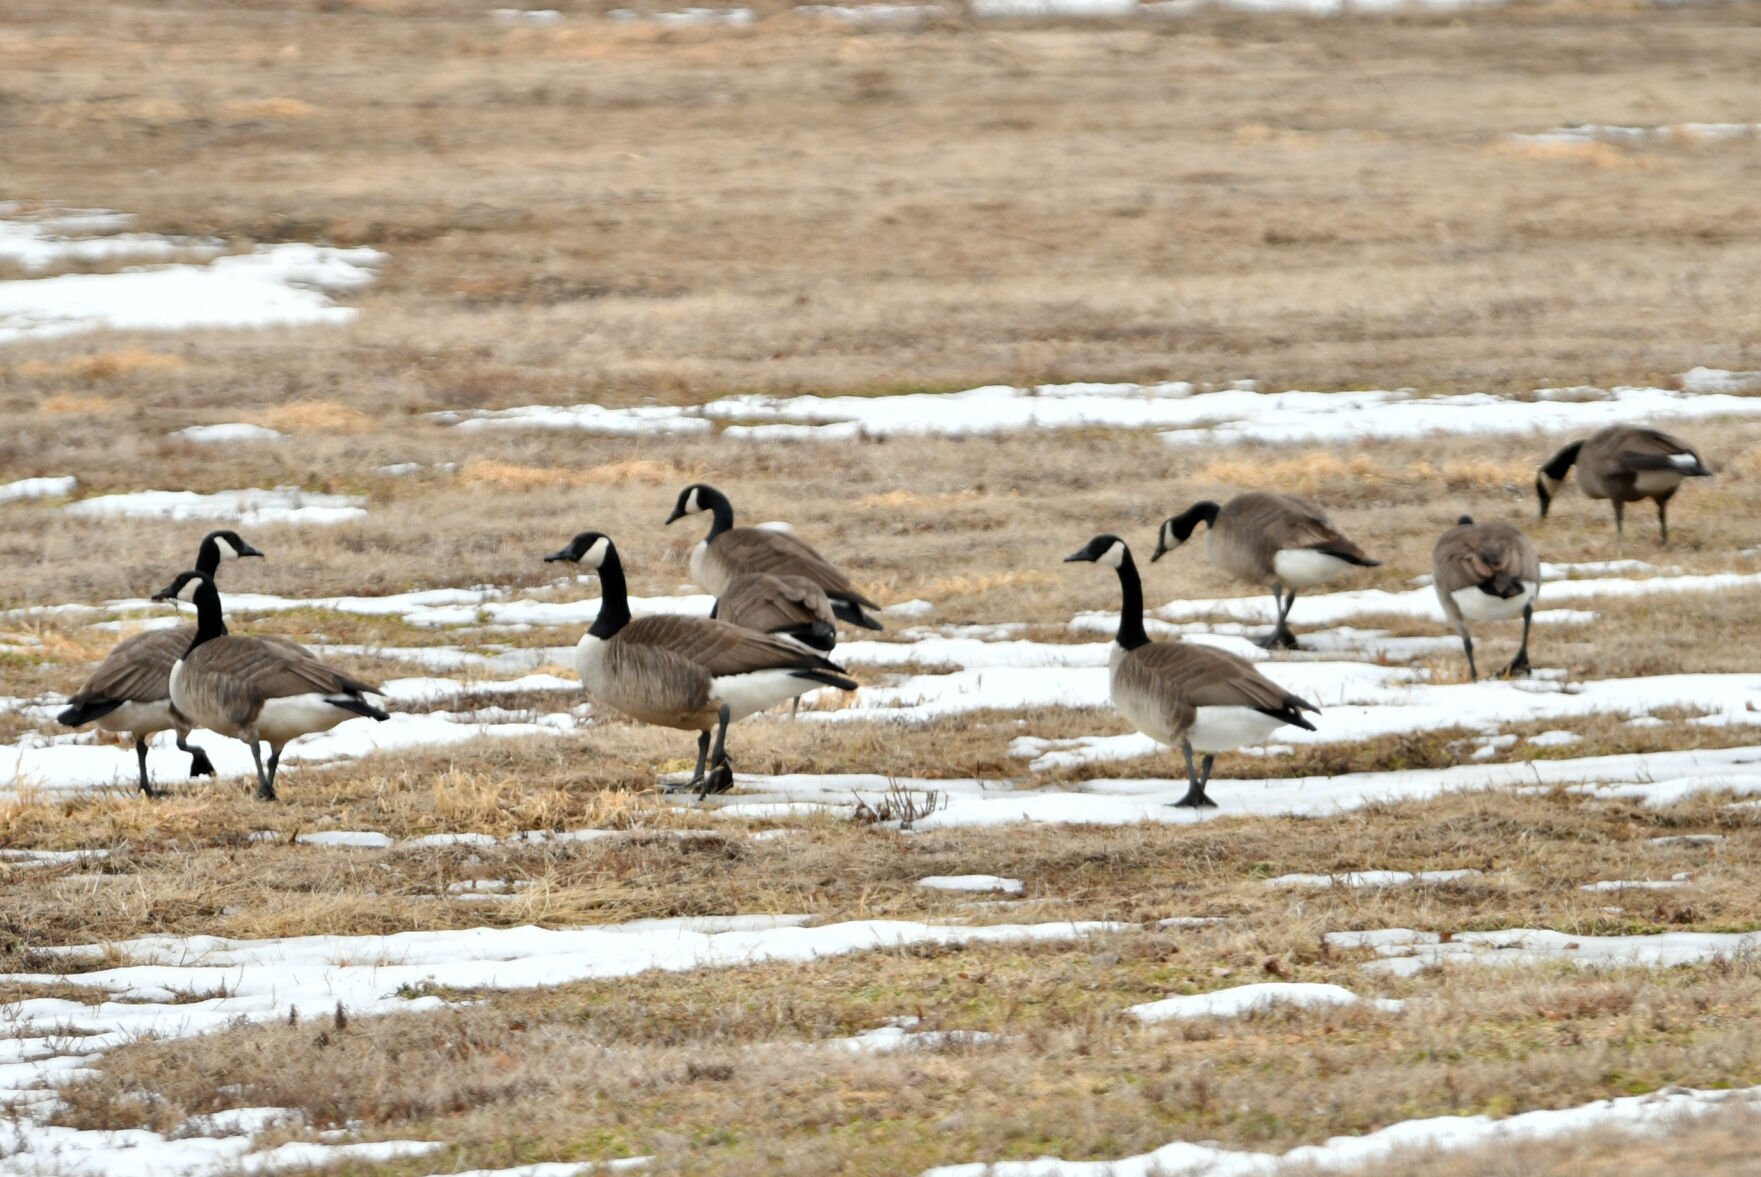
x=777, y=602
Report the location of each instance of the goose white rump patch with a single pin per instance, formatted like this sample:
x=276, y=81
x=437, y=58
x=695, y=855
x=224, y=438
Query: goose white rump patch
x=1305, y=567
x=748, y=694
x=1224, y=729
x=298, y=715
x=1476, y=605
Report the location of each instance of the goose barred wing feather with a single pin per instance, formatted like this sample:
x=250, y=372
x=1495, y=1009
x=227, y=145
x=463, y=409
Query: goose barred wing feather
x=1475, y=553
x=272, y=670
x=138, y=670
x=1636, y=448
x=765, y=602
x=722, y=649
x=1279, y=521
x=1208, y=677
x=759, y=549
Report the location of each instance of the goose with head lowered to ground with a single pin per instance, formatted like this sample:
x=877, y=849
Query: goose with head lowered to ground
x=256, y=689
x=1285, y=541
x=1193, y=697
x=728, y=551
x=131, y=689
x=692, y=673
x=789, y=606
x=1487, y=572
x=1624, y=464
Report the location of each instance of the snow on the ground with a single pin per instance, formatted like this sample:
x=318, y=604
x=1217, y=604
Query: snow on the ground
x=971, y=883
x=1371, y=878
x=284, y=504
x=1686, y=840
x=1658, y=1112
x=274, y=285
x=230, y=431
x=1680, y=880
x=234, y=981
x=1246, y=999
x=901, y=1034
x=37, y=488
x=1633, y=136
x=1655, y=778
x=1403, y=952
x=55, y=237
x=1188, y=416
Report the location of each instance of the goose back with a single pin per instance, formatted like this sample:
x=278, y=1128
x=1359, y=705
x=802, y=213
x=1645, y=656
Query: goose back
x=1163, y=687
x=1263, y=538
x=1485, y=571
x=715, y=562
x=1631, y=462
x=235, y=684
x=790, y=605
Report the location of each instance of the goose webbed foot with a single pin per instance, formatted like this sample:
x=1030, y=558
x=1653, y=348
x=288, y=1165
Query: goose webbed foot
x=1519, y=667
x=1278, y=639
x=1195, y=798
x=719, y=780
x=200, y=765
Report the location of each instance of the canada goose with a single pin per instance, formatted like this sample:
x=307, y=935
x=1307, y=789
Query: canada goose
x=692, y=673
x=1274, y=539
x=1195, y=697
x=1624, y=463
x=255, y=689
x=728, y=551
x=1487, y=572
x=131, y=689
x=792, y=606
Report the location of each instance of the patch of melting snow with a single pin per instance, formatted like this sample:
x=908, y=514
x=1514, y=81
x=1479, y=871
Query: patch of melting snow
x=1687, y=840
x=230, y=431
x=1371, y=878
x=1249, y=999
x=1680, y=880
x=284, y=504
x=353, y=839
x=56, y=237
x=556, y=1169
x=274, y=285
x=1558, y=738
x=1404, y=952
x=899, y=1034
x=1628, y=135
x=971, y=883
x=1189, y=416
x=37, y=488
x=1658, y=1112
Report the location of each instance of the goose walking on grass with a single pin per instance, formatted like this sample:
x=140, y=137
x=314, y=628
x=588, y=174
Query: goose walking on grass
x=1280, y=540
x=1624, y=464
x=258, y=690
x=1192, y=697
x=1487, y=572
x=131, y=689
x=728, y=551
x=692, y=673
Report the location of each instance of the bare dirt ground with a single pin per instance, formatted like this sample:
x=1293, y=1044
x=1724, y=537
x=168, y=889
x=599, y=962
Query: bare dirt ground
x=630, y=213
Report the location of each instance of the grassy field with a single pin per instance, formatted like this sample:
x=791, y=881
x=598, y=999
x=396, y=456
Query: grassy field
x=626, y=212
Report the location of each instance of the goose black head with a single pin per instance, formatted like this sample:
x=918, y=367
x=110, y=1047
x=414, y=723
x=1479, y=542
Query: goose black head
x=185, y=587
x=694, y=498
x=587, y=549
x=1177, y=529
x=1102, y=549
x=1465, y=521
x=232, y=540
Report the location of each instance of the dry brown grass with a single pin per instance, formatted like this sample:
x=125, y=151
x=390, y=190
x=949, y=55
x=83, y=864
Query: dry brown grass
x=632, y=214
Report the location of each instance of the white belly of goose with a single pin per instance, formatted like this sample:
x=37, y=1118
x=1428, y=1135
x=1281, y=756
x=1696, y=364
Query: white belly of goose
x=293, y=716
x=1476, y=605
x=1306, y=568
x=758, y=690
x=1650, y=482
x=1223, y=729
x=140, y=718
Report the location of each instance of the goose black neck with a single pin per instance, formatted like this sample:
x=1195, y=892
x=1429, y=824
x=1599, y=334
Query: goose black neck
x=208, y=555
x=721, y=512
x=210, y=623
x=1131, y=634
x=1562, y=461
x=614, y=596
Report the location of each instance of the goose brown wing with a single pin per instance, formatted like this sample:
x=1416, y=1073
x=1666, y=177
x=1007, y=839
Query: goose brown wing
x=139, y=669
x=1209, y=677
x=1297, y=521
x=766, y=602
x=1636, y=448
x=1474, y=553
x=723, y=649
x=759, y=549
x=272, y=669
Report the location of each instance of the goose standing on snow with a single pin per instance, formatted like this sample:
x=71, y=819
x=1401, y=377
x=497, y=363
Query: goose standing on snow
x=131, y=689
x=1487, y=572
x=1285, y=541
x=1624, y=464
x=727, y=551
x=256, y=689
x=691, y=673
x=1192, y=697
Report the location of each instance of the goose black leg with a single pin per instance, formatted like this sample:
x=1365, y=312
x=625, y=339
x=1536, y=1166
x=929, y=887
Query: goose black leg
x=1195, y=785
x=1467, y=645
x=141, y=758
x=696, y=781
x=1280, y=637
x=1663, y=521
x=1619, y=518
x=274, y=764
x=1520, y=664
x=265, y=784
x=200, y=765
x=721, y=775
